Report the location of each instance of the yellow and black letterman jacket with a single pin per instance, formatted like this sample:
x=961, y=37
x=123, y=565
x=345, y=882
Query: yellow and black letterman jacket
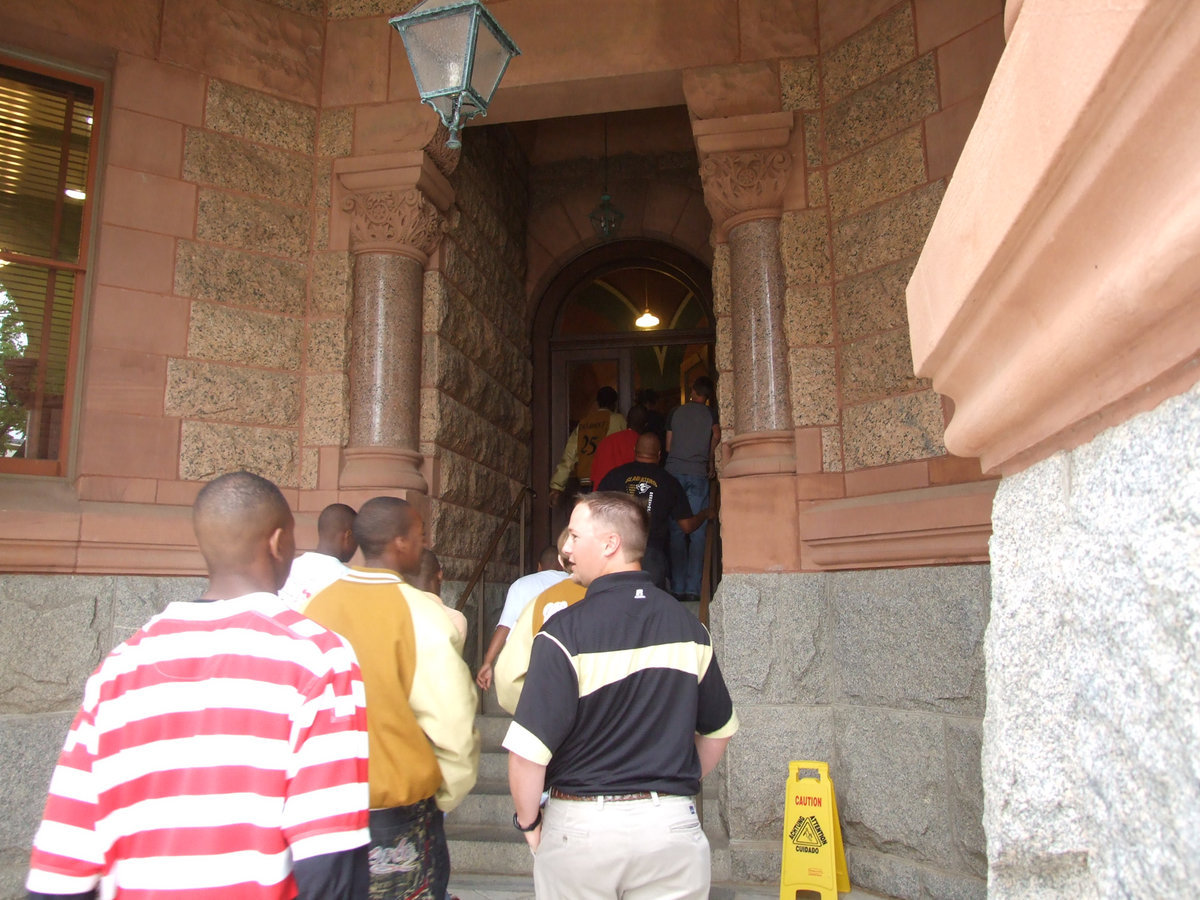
x=420, y=697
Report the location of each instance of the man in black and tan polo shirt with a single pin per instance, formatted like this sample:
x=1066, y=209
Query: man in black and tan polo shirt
x=623, y=711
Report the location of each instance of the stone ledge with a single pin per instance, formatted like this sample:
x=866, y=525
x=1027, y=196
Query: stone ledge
x=927, y=526
x=46, y=527
x=1055, y=296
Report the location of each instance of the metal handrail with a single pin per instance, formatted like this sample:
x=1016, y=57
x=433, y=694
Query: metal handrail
x=710, y=544
x=477, y=575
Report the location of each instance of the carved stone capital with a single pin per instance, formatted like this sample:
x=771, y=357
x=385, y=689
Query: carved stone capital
x=743, y=182
x=392, y=202
x=393, y=220
x=745, y=166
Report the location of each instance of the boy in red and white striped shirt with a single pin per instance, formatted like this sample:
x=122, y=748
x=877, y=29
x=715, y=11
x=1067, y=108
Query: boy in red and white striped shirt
x=220, y=752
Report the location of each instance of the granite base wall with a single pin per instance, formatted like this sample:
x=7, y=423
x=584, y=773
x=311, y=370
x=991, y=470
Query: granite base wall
x=1093, y=728
x=881, y=674
x=57, y=628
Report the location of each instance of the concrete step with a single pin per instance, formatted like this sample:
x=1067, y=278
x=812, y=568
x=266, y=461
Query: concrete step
x=488, y=804
x=492, y=730
x=493, y=766
x=488, y=849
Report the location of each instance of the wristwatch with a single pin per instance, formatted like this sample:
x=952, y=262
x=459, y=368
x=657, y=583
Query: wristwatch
x=532, y=825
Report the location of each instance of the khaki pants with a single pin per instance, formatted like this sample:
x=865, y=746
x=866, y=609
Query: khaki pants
x=634, y=849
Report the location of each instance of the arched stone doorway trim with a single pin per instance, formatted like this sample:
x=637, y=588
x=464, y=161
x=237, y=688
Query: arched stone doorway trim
x=592, y=263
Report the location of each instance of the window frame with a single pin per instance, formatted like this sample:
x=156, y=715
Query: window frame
x=82, y=269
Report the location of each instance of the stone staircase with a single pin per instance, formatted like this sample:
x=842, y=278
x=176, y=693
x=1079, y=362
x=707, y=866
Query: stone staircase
x=482, y=839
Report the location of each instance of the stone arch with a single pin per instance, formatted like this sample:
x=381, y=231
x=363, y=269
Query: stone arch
x=559, y=283
x=672, y=214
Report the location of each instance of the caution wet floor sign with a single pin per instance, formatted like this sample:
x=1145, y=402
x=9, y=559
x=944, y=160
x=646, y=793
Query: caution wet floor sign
x=814, y=863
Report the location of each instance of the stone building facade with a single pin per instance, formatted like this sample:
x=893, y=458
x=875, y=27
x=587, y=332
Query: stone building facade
x=291, y=273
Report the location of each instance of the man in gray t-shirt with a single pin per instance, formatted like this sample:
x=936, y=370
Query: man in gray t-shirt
x=692, y=438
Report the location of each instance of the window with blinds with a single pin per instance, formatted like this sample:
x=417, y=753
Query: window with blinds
x=47, y=147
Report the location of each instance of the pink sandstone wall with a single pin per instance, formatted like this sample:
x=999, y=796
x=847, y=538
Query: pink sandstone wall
x=217, y=332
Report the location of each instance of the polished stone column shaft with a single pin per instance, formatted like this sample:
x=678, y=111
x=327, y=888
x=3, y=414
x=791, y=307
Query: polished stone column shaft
x=385, y=351
x=762, y=400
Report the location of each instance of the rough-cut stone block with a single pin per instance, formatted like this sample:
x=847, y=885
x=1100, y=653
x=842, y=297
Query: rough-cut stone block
x=201, y=390
x=804, y=245
x=1094, y=553
x=307, y=7
x=874, y=302
x=887, y=45
x=964, y=746
x=328, y=345
x=894, y=430
x=886, y=233
x=238, y=165
x=892, y=103
x=56, y=631
x=890, y=776
x=769, y=29
x=813, y=373
x=243, y=336
x=332, y=283
x=252, y=224
x=795, y=663
x=260, y=117
x=255, y=44
x=808, y=315
x=336, y=131
x=940, y=21
x=310, y=468
x=29, y=746
x=879, y=366
x=967, y=63
x=138, y=598
x=839, y=19
x=799, y=80
x=724, y=360
x=151, y=87
x=207, y=272
x=355, y=65
x=831, y=449
x=817, y=195
x=326, y=409
x=814, y=140
x=886, y=874
x=880, y=172
x=936, y=614
x=769, y=737
x=751, y=862
x=208, y=450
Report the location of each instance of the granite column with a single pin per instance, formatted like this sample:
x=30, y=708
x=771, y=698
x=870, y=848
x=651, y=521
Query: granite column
x=395, y=207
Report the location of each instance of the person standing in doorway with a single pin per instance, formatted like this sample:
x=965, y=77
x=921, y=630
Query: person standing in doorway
x=576, y=462
x=665, y=501
x=693, y=435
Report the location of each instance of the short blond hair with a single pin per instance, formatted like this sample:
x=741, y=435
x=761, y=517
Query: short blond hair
x=618, y=512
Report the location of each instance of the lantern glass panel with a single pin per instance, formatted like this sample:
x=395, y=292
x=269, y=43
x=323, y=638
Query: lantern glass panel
x=437, y=49
x=491, y=58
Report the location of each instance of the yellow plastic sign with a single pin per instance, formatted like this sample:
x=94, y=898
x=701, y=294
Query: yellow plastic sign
x=814, y=861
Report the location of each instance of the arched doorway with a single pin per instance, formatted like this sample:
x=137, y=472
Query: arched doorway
x=585, y=336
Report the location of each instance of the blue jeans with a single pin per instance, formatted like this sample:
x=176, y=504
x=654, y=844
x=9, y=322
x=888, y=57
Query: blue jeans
x=687, y=550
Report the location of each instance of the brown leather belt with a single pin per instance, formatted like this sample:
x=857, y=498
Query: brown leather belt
x=607, y=798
